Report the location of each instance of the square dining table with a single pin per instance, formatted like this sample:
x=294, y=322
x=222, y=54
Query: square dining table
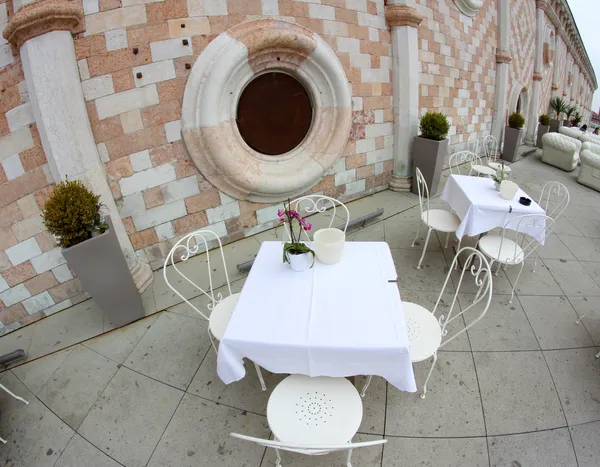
x=335, y=320
x=480, y=207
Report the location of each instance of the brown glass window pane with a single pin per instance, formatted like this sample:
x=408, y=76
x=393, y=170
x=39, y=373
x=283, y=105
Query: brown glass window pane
x=274, y=113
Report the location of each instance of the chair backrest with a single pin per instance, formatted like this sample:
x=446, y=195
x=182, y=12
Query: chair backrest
x=473, y=143
x=463, y=157
x=554, y=199
x=476, y=265
x=526, y=233
x=316, y=204
x=423, y=191
x=190, y=245
x=309, y=450
x=490, y=148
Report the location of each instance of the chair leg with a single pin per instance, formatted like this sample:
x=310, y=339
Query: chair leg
x=537, y=256
x=457, y=250
x=578, y=321
x=516, y=281
x=278, y=460
x=260, y=377
x=447, y=239
x=424, y=248
x=498, y=268
x=19, y=398
x=212, y=341
x=366, y=386
x=598, y=355
x=348, y=464
x=428, y=375
x=416, y=236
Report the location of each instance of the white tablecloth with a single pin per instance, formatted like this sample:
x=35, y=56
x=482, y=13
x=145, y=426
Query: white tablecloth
x=335, y=320
x=481, y=208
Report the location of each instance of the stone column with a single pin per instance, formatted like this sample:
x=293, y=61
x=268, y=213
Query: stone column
x=555, y=64
x=534, y=107
x=503, y=59
x=43, y=32
x=404, y=20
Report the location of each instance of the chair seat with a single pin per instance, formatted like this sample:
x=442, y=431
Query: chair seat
x=483, y=169
x=221, y=314
x=318, y=411
x=505, y=252
x=498, y=166
x=424, y=331
x=441, y=220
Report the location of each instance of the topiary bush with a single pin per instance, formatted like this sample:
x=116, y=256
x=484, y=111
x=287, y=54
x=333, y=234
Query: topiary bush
x=516, y=120
x=544, y=119
x=558, y=106
x=72, y=213
x=576, y=120
x=434, y=125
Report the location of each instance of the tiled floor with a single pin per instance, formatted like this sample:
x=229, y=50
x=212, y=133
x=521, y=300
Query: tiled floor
x=521, y=388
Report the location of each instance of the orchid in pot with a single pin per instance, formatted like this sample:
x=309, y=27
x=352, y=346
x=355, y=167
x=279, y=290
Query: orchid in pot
x=299, y=256
x=499, y=177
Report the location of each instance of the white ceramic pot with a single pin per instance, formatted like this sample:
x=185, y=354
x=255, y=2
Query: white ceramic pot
x=508, y=189
x=329, y=245
x=300, y=262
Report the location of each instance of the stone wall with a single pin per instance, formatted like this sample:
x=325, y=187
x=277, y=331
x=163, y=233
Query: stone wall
x=547, y=72
x=458, y=67
x=34, y=279
x=561, y=63
x=522, y=49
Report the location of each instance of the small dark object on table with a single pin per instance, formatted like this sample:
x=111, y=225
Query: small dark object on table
x=525, y=201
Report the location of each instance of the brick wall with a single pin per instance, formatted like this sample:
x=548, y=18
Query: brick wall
x=522, y=46
x=458, y=67
x=547, y=70
x=34, y=279
x=561, y=63
x=135, y=121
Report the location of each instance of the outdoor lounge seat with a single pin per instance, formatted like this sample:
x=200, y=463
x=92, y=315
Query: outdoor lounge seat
x=589, y=172
x=560, y=151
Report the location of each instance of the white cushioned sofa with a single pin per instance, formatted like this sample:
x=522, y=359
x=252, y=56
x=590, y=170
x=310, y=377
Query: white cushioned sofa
x=560, y=151
x=589, y=172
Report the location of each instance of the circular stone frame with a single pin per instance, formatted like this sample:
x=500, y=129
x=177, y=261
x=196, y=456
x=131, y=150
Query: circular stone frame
x=212, y=93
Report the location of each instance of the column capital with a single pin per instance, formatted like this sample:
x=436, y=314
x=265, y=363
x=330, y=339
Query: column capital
x=503, y=56
x=555, y=87
x=36, y=19
x=564, y=94
x=542, y=4
x=402, y=15
x=537, y=76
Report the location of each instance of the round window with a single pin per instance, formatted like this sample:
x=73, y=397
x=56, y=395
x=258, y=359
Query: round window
x=274, y=113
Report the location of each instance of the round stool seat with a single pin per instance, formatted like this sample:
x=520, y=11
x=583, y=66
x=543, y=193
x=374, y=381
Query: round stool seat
x=483, y=169
x=424, y=331
x=219, y=318
x=504, y=251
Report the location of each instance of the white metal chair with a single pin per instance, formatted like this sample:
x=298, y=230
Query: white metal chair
x=435, y=219
x=475, y=165
x=554, y=199
x=473, y=144
x=313, y=416
x=316, y=204
x=507, y=251
x=221, y=308
x=490, y=151
x=427, y=333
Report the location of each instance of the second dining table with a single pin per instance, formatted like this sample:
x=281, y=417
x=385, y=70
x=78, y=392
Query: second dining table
x=335, y=320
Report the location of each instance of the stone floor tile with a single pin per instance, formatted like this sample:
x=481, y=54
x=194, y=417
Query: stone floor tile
x=171, y=350
x=576, y=375
x=74, y=387
x=35, y=436
x=593, y=270
x=430, y=277
x=503, y=327
x=428, y=300
x=363, y=457
x=130, y=417
x=587, y=309
x=565, y=226
x=390, y=201
x=245, y=394
x=585, y=440
x=118, y=343
x=554, y=248
x=543, y=449
x=373, y=405
x=517, y=392
x=584, y=249
x=452, y=407
x=400, y=231
x=198, y=435
x=575, y=211
x=435, y=452
x=371, y=233
x=540, y=282
x=572, y=277
x=500, y=283
x=19, y=339
x=587, y=227
x=80, y=453
x=35, y=374
x=66, y=328
x=553, y=321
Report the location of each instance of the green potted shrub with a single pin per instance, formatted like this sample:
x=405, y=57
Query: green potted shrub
x=73, y=214
x=543, y=128
x=512, y=136
x=569, y=112
x=430, y=148
x=558, y=107
x=576, y=119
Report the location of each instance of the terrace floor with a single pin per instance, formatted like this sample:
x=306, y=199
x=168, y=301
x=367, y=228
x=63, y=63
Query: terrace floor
x=521, y=389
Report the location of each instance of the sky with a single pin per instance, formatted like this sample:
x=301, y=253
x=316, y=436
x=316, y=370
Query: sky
x=586, y=16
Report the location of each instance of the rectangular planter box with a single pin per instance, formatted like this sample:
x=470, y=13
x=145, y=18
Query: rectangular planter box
x=554, y=125
x=566, y=123
x=542, y=130
x=428, y=155
x=512, y=141
x=100, y=265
